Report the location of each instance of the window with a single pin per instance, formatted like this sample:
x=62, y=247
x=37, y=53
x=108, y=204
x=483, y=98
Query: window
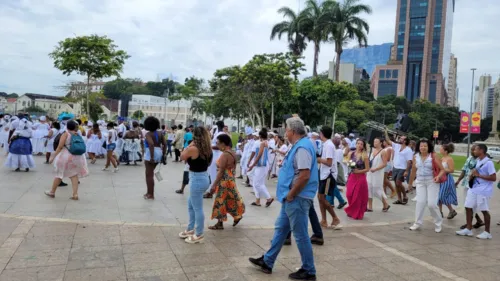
x=395, y=73
x=432, y=91
x=24, y=103
x=388, y=73
x=382, y=74
x=387, y=87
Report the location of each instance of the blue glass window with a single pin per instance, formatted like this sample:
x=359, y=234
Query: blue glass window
x=395, y=73
x=381, y=74
x=388, y=73
x=387, y=87
x=401, y=29
x=432, y=91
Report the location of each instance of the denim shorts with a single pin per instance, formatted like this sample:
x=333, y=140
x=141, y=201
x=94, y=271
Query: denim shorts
x=111, y=147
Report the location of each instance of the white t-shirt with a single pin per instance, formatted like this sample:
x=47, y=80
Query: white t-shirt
x=401, y=158
x=328, y=151
x=483, y=187
x=122, y=129
x=111, y=134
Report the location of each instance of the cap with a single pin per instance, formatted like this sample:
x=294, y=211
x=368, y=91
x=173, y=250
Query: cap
x=315, y=134
x=351, y=135
x=43, y=118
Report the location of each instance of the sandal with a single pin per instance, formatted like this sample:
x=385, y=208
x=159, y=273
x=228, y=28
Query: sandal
x=269, y=202
x=235, y=223
x=452, y=214
x=74, y=198
x=397, y=202
x=208, y=195
x=324, y=224
x=405, y=201
x=386, y=209
x=149, y=197
x=255, y=204
x=179, y=191
x=369, y=210
x=50, y=194
x=217, y=226
x=93, y=161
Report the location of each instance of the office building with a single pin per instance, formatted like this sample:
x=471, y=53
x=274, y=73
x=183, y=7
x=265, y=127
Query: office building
x=481, y=95
x=368, y=57
x=452, y=82
x=348, y=73
x=484, y=82
x=421, y=52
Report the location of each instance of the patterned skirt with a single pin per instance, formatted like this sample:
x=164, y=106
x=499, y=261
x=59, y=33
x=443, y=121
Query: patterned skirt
x=227, y=200
x=447, y=192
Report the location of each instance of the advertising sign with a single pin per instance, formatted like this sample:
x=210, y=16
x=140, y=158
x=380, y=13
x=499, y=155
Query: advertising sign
x=476, y=123
x=435, y=134
x=464, y=122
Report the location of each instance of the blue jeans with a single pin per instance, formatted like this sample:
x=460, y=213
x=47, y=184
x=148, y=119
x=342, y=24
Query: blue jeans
x=199, y=183
x=295, y=216
x=316, y=227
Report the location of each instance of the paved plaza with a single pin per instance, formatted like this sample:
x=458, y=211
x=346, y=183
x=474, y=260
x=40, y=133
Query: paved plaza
x=113, y=234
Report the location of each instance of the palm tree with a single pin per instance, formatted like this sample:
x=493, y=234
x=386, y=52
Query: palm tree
x=197, y=107
x=310, y=22
x=290, y=26
x=343, y=24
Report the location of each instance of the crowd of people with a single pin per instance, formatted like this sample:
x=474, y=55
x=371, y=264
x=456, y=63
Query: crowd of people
x=306, y=164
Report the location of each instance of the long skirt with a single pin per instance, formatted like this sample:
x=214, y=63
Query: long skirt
x=20, y=150
x=357, y=196
x=448, y=192
x=227, y=199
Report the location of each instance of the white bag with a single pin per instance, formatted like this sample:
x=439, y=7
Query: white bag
x=158, y=175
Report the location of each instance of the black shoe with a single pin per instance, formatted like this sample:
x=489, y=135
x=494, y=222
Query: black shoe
x=288, y=242
x=478, y=225
x=302, y=275
x=317, y=241
x=63, y=184
x=261, y=265
x=342, y=205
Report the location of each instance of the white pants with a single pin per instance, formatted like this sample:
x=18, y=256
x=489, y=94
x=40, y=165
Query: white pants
x=259, y=182
x=376, y=190
x=427, y=195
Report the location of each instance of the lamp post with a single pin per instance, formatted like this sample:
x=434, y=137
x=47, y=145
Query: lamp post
x=166, y=95
x=470, y=113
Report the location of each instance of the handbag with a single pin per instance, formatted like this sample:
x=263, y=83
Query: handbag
x=435, y=170
x=158, y=175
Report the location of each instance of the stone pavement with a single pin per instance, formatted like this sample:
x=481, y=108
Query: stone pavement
x=110, y=197
x=38, y=250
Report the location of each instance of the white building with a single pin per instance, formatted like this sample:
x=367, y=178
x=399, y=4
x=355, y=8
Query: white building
x=452, y=82
x=80, y=88
x=348, y=72
x=176, y=112
x=52, y=105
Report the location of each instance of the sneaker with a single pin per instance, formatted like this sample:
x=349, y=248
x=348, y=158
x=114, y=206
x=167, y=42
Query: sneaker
x=115, y=170
x=485, y=235
x=415, y=227
x=414, y=199
x=317, y=241
x=438, y=229
x=186, y=233
x=194, y=239
x=464, y=232
x=340, y=206
x=259, y=263
x=105, y=169
x=302, y=274
x=63, y=184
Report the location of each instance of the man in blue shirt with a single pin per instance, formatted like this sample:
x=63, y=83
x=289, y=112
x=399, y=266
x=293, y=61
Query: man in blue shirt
x=297, y=186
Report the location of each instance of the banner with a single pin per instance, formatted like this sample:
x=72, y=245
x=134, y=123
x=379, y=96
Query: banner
x=464, y=122
x=475, y=124
x=435, y=134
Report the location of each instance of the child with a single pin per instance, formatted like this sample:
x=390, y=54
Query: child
x=185, y=177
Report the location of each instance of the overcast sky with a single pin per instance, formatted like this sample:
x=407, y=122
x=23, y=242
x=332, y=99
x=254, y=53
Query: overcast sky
x=196, y=37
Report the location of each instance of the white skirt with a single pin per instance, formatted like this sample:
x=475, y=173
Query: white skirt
x=15, y=161
x=38, y=145
x=50, y=146
x=4, y=140
x=94, y=146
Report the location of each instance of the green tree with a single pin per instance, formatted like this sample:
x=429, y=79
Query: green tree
x=93, y=109
x=343, y=23
x=92, y=56
x=117, y=88
x=313, y=28
x=296, y=39
x=198, y=107
x=364, y=90
x=33, y=108
x=12, y=95
x=138, y=115
x=340, y=126
x=355, y=114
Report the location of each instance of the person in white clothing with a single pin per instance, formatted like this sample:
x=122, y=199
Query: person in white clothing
x=20, y=148
x=51, y=136
x=271, y=155
x=41, y=130
x=479, y=194
x=212, y=169
x=389, y=152
x=375, y=176
x=111, y=140
x=259, y=163
x=403, y=156
x=280, y=153
x=4, y=132
x=245, y=148
x=427, y=169
x=255, y=147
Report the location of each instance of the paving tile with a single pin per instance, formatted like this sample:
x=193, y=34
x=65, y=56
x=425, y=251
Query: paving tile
x=46, y=242
x=151, y=260
x=201, y=259
x=45, y=273
x=239, y=248
x=96, y=274
x=37, y=258
x=146, y=248
x=179, y=247
x=135, y=235
x=171, y=277
x=222, y=275
x=52, y=229
x=94, y=257
x=153, y=274
x=478, y=274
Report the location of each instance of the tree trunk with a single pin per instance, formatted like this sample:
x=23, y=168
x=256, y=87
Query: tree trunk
x=334, y=117
x=238, y=128
x=337, y=63
x=316, y=54
x=272, y=116
x=263, y=124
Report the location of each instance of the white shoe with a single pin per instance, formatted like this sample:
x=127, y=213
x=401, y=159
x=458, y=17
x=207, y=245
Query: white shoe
x=194, y=239
x=185, y=234
x=414, y=199
x=105, y=169
x=438, y=229
x=116, y=170
x=485, y=235
x=415, y=227
x=465, y=232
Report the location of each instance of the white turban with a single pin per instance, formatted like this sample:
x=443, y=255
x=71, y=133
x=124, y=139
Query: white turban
x=43, y=118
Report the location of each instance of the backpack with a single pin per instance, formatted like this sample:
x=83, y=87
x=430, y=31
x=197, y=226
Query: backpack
x=77, y=145
x=340, y=175
x=56, y=141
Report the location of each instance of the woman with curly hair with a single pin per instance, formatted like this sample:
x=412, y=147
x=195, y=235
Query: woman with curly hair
x=199, y=156
x=227, y=198
x=155, y=148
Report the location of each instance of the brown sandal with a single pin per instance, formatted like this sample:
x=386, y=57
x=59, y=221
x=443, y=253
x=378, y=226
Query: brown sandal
x=74, y=198
x=51, y=195
x=324, y=224
x=217, y=226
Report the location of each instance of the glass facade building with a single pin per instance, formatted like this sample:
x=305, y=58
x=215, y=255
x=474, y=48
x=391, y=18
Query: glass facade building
x=369, y=57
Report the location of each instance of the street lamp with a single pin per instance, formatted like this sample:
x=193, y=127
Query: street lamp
x=470, y=113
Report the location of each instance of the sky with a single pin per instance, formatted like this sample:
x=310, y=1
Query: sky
x=196, y=37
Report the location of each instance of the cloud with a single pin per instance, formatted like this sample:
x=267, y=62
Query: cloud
x=196, y=37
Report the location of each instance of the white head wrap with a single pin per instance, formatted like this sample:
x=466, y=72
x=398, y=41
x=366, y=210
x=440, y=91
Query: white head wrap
x=43, y=118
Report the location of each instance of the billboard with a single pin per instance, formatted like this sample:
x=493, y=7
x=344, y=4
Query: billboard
x=475, y=123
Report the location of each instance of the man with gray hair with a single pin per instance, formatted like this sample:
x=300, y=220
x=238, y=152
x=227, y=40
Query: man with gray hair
x=297, y=185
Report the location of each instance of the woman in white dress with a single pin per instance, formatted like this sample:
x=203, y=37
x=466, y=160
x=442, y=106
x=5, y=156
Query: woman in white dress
x=94, y=143
x=259, y=163
x=132, y=145
x=280, y=154
x=20, y=149
x=38, y=139
x=49, y=147
x=4, y=132
x=375, y=176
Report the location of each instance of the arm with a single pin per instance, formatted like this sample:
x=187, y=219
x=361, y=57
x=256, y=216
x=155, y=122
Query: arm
x=437, y=161
x=387, y=139
x=250, y=159
x=460, y=178
x=220, y=171
x=151, y=145
x=261, y=151
x=163, y=145
x=382, y=165
x=51, y=133
x=299, y=184
x=451, y=166
x=190, y=152
x=413, y=172
x=62, y=141
x=367, y=166
x=490, y=170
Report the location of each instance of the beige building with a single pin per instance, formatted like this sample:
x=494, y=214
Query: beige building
x=452, y=82
x=481, y=96
x=52, y=105
x=80, y=88
x=347, y=73
x=176, y=112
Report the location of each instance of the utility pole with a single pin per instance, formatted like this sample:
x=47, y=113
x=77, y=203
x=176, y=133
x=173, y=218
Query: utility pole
x=470, y=113
x=166, y=94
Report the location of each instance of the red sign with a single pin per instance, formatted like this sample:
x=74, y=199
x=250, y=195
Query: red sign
x=464, y=123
